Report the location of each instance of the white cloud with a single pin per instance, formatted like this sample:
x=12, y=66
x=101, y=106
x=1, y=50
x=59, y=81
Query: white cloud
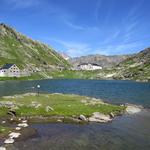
x=122, y=48
x=75, y=49
x=74, y=26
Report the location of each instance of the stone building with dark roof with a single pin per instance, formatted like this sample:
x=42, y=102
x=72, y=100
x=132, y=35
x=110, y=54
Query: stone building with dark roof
x=10, y=70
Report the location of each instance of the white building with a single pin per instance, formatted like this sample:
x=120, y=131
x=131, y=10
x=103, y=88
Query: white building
x=89, y=66
x=10, y=70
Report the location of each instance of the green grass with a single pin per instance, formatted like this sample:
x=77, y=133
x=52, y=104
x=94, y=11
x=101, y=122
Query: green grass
x=73, y=74
x=65, y=74
x=4, y=130
x=3, y=111
x=63, y=105
x=18, y=49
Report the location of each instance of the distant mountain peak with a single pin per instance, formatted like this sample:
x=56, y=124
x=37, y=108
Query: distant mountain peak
x=102, y=60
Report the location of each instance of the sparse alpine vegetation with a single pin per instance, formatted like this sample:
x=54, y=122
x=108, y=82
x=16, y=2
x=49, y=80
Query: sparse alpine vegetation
x=27, y=53
x=136, y=68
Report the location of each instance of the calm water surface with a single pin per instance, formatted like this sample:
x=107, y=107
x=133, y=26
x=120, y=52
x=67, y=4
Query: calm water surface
x=128, y=132
x=113, y=91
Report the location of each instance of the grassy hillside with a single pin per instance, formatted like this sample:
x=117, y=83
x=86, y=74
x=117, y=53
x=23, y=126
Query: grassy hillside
x=136, y=67
x=27, y=53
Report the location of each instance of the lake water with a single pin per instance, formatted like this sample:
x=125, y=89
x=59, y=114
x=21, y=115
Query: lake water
x=109, y=90
x=128, y=132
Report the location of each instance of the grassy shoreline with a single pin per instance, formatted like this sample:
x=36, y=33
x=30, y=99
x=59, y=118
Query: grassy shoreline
x=45, y=105
x=51, y=108
x=72, y=74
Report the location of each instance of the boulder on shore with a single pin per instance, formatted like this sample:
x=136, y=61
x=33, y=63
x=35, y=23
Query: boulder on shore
x=133, y=109
x=83, y=118
x=112, y=115
x=99, y=117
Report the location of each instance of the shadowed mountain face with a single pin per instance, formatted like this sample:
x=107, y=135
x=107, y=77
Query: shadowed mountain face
x=27, y=53
x=102, y=60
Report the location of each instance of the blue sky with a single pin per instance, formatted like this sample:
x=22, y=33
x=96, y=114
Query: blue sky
x=82, y=27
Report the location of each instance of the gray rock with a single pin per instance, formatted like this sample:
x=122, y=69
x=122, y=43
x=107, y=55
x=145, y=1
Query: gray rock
x=99, y=117
x=13, y=135
x=133, y=109
x=2, y=148
x=83, y=118
x=48, y=108
x=9, y=141
x=112, y=115
x=23, y=125
x=6, y=104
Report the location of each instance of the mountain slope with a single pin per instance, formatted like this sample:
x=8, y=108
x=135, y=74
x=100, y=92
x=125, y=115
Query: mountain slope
x=136, y=67
x=102, y=60
x=27, y=53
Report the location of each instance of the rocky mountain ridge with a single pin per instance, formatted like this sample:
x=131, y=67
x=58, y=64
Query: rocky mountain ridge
x=101, y=60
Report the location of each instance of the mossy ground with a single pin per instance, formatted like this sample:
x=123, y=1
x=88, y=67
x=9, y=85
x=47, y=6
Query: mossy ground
x=4, y=131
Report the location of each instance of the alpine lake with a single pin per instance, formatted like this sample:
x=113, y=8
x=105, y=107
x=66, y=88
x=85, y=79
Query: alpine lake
x=126, y=132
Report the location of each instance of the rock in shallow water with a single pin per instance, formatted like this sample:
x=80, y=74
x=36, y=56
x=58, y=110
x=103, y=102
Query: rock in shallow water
x=2, y=148
x=14, y=135
x=9, y=141
x=23, y=125
x=18, y=128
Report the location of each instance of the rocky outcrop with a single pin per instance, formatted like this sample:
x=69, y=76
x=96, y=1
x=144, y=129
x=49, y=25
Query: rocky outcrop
x=133, y=109
x=99, y=117
x=101, y=60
